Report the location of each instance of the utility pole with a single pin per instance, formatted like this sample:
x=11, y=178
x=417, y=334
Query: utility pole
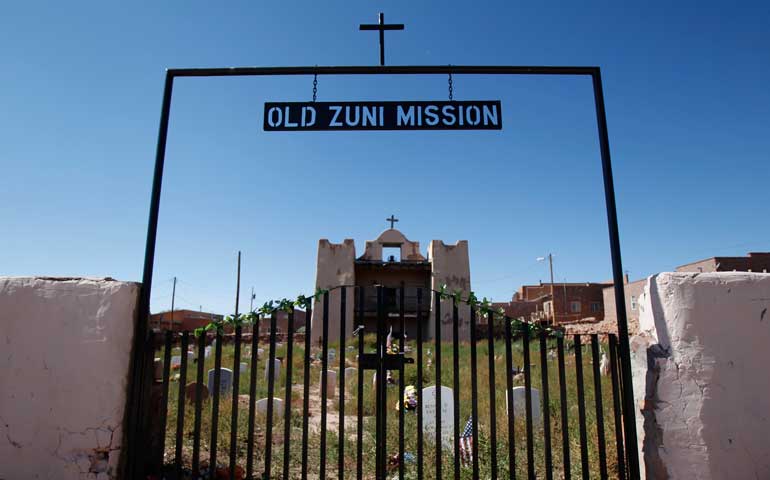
x=173, y=296
x=251, y=302
x=553, y=298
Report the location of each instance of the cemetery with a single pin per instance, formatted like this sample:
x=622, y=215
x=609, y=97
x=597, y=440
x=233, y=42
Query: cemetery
x=389, y=363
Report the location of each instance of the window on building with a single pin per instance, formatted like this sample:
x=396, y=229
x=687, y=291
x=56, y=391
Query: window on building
x=391, y=254
x=596, y=307
x=633, y=302
x=574, y=306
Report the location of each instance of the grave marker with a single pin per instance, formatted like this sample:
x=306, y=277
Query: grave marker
x=520, y=405
x=277, y=372
x=225, y=381
x=429, y=415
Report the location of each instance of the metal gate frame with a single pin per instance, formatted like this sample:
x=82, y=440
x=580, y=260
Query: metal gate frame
x=137, y=404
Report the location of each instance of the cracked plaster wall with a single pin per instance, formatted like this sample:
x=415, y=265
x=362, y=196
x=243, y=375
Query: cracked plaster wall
x=65, y=353
x=700, y=376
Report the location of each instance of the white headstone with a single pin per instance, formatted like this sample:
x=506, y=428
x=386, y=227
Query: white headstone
x=351, y=373
x=244, y=367
x=331, y=383
x=207, y=352
x=261, y=407
x=176, y=361
x=277, y=372
x=225, y=381
x=520, y=405
x=429, y=415
x=332, y=354
x=260, y=352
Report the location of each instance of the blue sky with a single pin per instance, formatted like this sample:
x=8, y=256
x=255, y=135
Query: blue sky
x=687, y=88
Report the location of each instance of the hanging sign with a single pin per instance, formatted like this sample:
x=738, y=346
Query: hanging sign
x=408, y=115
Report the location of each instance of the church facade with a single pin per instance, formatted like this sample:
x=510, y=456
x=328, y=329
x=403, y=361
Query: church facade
x=407, y=268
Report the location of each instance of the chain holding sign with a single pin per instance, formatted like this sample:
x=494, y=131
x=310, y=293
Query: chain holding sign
x=406, y=115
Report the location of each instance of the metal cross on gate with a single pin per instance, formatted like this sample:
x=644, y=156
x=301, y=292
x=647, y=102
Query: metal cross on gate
x=381, y=26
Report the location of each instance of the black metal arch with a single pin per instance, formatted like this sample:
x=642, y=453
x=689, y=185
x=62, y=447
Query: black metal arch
x=141, y=361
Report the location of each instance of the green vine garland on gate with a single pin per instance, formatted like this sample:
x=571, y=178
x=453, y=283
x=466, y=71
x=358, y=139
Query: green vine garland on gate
x=483, y=307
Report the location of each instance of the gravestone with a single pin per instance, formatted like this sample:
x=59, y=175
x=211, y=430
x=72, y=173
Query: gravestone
x=261, y=407
x=520, y=405
x=351, y=373
x=332, y=354
x=429, y=415
x=190, y=392
x=176, y=362
x=331, y=383
x=277, y=372
x=207, y=352
x=260, y=352
x=225, y=381
x=244, y=367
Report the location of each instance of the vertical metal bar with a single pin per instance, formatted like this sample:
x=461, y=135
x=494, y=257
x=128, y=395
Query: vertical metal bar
x=509, y=398
x=379, y=386
x=563, y=402
x=164, y=395
x=180, y=404
x=236, y=374
x=419, y=385
x=581, y=407
x=474, y=396
x=252, y=394
x=528, y=402
x=236, y=389
x=629, y=413
x=492, y=392
x=341, y=381
x=439, y=446
x=546, y=406
x=215, y=406
x=270, y=394
x=287, y=401
x=456, y=385
x=324, y=382
x=306, y=390
x=136, y=398
x=599, y=408
x=382, y=388
x=402, y=325
x=616, y=406
x=198, y=405
x=360, y=399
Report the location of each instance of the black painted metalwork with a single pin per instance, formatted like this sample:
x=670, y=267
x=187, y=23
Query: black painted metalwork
x=138, y=390
x=474, y=396
x=270, y=395
x=306, y=390
x=546, y=406
x=581, y=407
x=613, y=345
x=181, y=404
x=599, y=408
x=401, y=386
x=215, y=406
x=563, y=401
x=164, y=395
x=419, y=385
x=234, y=397
x=509, y=398
x=341, y=383
x=201, y=356
x=492, y=395
x=528, y=403
x=252, y=393
x=437, y=337
x=287, y=399
x=360, y=406
x=456, y=385
x=324, y=382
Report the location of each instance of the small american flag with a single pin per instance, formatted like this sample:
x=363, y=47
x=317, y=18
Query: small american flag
x=466, y=443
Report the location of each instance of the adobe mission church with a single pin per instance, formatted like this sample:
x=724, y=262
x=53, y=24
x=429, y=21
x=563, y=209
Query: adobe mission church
x=340, y=264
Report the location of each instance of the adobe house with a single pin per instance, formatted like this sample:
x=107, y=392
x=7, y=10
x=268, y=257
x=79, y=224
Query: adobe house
x=392, y=260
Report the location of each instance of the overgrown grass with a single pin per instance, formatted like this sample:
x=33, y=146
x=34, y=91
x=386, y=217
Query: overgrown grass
x=369, y=447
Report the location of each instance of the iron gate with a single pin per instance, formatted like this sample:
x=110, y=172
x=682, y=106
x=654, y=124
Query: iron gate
x=141, y=404
x=305, y=441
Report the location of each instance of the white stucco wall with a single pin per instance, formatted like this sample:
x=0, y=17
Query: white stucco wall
x=64, y=363
x=701, y=376
x=336, y=266
x=451, y=267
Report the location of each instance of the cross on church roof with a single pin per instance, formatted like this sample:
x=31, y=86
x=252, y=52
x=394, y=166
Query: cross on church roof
x=381, y=26
x=392, y=220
